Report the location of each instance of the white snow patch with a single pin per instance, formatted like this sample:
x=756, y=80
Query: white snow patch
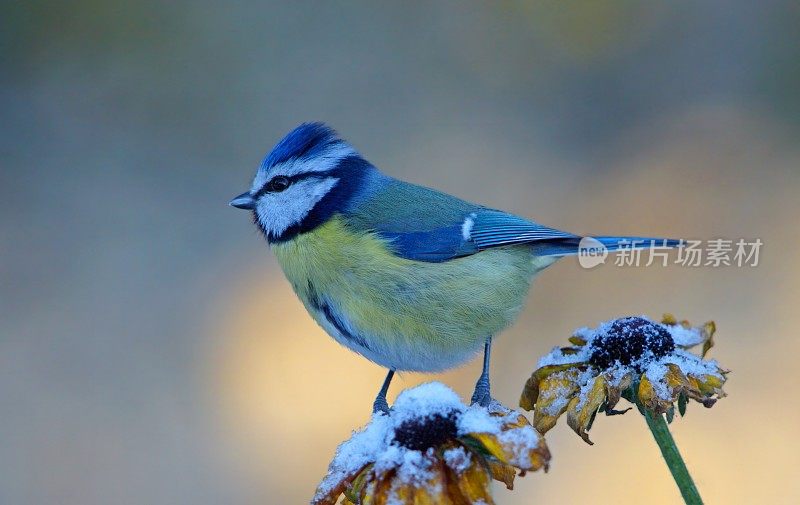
x=655, y=373
x=562, y=395
x=557, y=357
x=458, y=459
x=521, y=441
x=685, y=337
x=476, y=419
x=654, y=368
x=360, y=450
x=425, y=400
x=691, y=364
x=375, y=442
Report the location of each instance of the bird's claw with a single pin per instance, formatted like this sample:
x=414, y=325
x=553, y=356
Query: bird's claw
x=380, y=405
x=482, y=395
x=482, y=400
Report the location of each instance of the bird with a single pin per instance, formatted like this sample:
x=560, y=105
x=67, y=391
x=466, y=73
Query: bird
x=409, y=277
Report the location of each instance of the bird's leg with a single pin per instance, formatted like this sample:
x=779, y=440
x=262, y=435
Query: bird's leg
x=380, y=404
x=482, y=395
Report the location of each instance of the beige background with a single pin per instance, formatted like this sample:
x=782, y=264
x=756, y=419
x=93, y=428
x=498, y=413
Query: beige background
x=150, y=349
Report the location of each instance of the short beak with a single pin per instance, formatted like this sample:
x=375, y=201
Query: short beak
x=243, y=201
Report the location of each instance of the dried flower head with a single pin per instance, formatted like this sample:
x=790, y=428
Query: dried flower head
x=431, y=448
x=645, y=362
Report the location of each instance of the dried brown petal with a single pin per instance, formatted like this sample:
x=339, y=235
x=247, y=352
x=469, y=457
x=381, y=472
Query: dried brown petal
x=554, y=393
x=530, y=393
x=581, y=411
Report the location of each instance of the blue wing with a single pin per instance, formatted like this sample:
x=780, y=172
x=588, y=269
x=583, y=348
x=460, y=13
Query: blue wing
x=492, y=228
x=440, y=244
x=426, y=225
x=478, y=230
x=484, y=229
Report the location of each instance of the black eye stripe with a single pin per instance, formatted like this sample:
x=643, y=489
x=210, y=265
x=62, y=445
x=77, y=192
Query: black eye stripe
x=291, y=180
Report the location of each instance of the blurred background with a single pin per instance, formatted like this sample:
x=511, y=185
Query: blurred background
x=151, y=350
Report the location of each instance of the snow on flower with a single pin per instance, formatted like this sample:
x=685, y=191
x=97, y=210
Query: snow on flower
x=431, y=448
x=645, y=362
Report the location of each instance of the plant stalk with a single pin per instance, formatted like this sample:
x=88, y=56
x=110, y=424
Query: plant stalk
x=660, y=430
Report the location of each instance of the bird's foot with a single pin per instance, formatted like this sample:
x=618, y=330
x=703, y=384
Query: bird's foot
x=380, y=405
x=482, y=395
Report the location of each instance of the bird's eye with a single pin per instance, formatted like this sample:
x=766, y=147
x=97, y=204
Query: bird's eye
x=278, y=184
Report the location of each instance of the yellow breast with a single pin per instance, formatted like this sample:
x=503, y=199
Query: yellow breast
x=404, y=314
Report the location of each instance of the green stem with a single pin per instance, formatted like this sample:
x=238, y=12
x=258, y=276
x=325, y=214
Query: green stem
x=660, y=430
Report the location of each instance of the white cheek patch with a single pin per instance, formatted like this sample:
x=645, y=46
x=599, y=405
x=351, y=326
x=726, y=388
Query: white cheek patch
x=324, y=162
x=278, y=211
x=466, y=227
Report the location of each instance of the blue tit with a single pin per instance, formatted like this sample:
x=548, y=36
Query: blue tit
x=410, y=278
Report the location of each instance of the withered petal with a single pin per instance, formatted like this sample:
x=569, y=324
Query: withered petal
x=555, y=391
x=472, y=485
x=519, y=422
x=581, y=411
x=675, y=379
x=614, y=393
x=502, y=472
x=492, y=445
x=708, y=332
x=530, y=393
x=332, y=495
x=650, y=399
x=376, y=492
x=435, y=491
x=576, y=340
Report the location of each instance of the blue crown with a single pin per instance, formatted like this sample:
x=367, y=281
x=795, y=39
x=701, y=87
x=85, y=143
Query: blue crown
x=305, y=141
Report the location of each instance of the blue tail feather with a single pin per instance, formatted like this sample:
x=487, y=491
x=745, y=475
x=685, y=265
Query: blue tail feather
x=570, y=246
x=617, y=243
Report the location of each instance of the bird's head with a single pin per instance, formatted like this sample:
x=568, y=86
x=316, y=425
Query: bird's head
x=307, y=177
